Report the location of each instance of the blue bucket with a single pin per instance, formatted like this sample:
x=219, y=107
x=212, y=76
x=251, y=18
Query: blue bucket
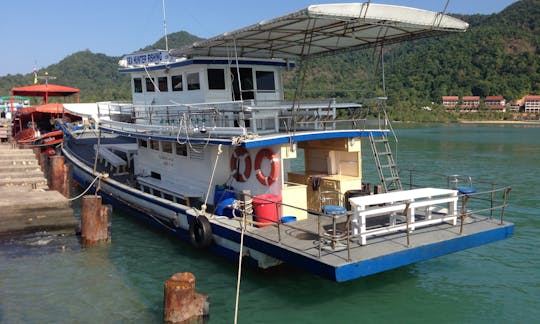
x=288, y=219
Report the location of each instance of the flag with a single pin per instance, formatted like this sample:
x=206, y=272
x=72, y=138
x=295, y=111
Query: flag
x=35, y=74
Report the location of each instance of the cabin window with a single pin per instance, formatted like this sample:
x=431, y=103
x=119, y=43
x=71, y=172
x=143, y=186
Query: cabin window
x=166, y=147
x=216, y=79
x=150, y=85
x=155, y=175
x=146, y=189
x=156, y=192
x=177, y=84
x=193, y=82
x=265, y=81
x=137, y=85
x=181, y=149
x=154, y=145
x=168, y=196
x=163, y=84
x=143, y=143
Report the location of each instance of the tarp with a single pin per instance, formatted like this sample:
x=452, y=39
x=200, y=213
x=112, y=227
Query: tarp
x=326, y=29
x=45, y=91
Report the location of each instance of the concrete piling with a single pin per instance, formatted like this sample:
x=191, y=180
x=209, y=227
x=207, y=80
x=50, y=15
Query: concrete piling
x=57, y=173
x=181, y=302
x=94, y=221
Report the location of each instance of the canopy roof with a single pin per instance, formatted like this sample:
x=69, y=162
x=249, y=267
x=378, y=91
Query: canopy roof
x=324, y=29
x=45, y=91
x=40, y=90
x=51, y=108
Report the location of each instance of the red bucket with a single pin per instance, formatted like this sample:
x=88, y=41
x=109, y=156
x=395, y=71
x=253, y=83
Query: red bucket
x=267, y=208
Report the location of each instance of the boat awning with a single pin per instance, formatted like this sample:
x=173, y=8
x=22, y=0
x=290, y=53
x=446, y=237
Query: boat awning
x=325, y=29
x=45, y=91
x=51, y=108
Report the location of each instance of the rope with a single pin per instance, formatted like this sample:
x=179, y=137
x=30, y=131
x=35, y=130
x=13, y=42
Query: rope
x=239, y=270
x=203, y=207
x=99, y=176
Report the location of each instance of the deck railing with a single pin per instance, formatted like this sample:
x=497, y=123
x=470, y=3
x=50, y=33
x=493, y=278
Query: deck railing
x=476, y=196
x=485, y=200
x=223, y=119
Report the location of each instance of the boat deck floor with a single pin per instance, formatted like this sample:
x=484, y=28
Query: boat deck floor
x=301, y=237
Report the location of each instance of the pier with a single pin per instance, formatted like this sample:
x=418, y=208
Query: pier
x=26, y=203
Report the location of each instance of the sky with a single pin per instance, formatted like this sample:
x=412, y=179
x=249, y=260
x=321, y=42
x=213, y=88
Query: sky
x=43, y=32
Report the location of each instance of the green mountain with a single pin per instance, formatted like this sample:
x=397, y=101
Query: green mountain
x=96, y=75
x=498, y=55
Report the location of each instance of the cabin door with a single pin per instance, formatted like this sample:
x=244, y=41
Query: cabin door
x=246, y=81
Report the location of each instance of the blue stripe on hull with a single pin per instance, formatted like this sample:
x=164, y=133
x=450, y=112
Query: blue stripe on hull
x=421, y=253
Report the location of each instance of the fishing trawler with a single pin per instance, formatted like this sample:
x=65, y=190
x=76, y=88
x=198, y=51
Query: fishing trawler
x=211, y=152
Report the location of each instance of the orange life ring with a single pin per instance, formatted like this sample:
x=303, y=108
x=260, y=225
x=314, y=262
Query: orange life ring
x=274, y=164
x=239, y=153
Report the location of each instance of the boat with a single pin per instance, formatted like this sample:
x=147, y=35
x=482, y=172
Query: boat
x=211, y=152
x=36, y=125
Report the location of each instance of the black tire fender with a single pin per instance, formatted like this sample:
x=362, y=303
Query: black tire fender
x=200, y=232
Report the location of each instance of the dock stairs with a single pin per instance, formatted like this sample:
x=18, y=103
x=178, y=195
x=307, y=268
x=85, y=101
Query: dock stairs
x=26, y=204
x=20, y=168
x=384, y=160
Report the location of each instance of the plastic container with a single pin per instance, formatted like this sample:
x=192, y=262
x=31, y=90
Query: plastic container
x=224, y=207
x=222, y=192
x=288, y=219
x=267, y=208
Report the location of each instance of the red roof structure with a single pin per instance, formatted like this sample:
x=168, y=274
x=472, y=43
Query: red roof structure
x=45, y=91
x=50, y=108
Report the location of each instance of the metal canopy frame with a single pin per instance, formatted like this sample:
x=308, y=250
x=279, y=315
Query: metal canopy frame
x=326, y=29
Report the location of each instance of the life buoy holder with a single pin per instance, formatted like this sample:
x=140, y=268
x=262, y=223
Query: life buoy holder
x=267, y=180
x=200, y=232
x=238, y=154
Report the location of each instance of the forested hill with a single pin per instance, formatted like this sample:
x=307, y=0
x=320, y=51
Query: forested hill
x=498, y=55
x=96, y=75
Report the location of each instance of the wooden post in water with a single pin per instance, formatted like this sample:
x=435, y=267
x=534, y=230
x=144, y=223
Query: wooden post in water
x=181, y=302
x=57, y=173
x=66, y=181
x=94, y=220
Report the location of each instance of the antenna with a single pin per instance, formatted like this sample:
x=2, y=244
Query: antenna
x=165, y=27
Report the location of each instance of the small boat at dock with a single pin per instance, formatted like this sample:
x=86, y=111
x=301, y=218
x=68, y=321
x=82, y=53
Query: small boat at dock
x=211, y=151
x=36, y=125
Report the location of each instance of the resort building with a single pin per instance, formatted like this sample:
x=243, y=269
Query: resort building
x=470, y=103
x=532, y=104
x=450, y=102
x=495, y=103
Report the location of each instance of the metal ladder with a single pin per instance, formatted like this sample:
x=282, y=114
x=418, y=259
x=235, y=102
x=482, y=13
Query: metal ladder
x=388, y=172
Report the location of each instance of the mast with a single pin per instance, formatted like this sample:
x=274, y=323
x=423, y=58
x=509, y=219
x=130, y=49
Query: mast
x=165, y=27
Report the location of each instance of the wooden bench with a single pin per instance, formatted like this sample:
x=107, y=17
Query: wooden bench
x=113, y=161
x=184, y=193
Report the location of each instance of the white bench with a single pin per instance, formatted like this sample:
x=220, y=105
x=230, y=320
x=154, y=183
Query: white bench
x=164, y=187
x=396, y=201
x=113, y=161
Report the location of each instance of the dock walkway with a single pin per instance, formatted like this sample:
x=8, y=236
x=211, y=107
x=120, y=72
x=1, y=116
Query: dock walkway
x=26, y=204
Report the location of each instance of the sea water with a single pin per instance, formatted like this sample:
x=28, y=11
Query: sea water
x=51, y=279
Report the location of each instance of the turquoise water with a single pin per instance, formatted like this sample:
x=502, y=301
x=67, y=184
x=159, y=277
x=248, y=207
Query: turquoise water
x=53, y=280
